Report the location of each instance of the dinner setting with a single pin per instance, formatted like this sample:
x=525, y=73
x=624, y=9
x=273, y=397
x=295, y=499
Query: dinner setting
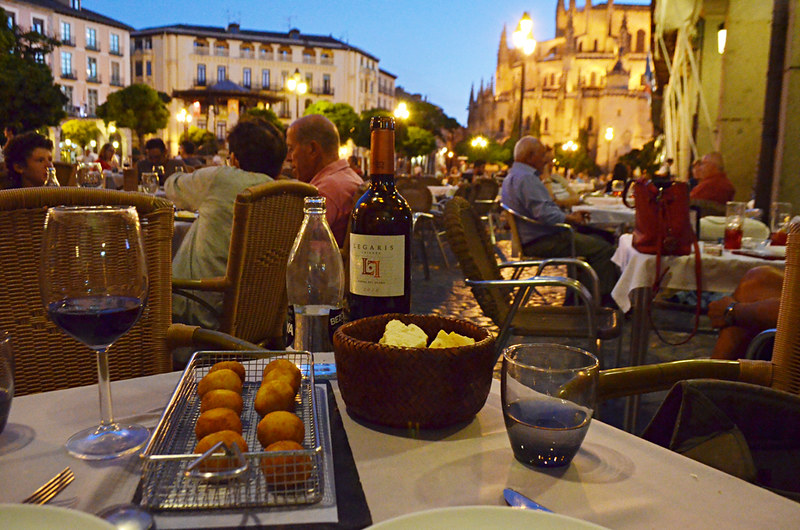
x=256, y=276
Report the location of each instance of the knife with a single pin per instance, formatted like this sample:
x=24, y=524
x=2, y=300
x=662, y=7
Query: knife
x=516, y=499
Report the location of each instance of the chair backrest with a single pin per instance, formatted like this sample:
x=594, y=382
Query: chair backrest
x=45, y=357
x=470, y=243
x=786, y=352
x=516, y=242
x=484, y=195
x=65, y=173
x=416, y=194
x=130, y=179
x=266, y=220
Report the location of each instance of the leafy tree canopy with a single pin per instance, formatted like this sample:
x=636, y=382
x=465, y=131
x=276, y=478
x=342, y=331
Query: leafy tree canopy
x=362, y=136
x=341, y=114
x=81, y=132
x=266, y=115
x=29, y=98
x=644, y=158
x=418, y=142
x=204, y=140
x=493, y=152
x=137, y=107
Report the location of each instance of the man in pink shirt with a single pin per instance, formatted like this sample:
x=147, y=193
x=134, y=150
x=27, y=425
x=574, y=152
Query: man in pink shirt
x=313, y=151
x=713, y=184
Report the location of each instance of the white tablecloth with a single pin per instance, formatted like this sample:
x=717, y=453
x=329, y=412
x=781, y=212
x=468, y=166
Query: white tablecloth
x=442, y=192
x=616, y=214
x=616, y=480
x=720, y=273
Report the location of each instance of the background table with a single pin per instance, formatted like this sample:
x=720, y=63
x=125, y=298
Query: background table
x=616, y=214
x=616, y=480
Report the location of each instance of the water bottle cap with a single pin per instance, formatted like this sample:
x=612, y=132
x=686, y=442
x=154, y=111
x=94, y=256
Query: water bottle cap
x=314, y=204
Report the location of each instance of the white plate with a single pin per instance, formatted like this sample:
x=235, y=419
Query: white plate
x=483, y=518
x=45, y=517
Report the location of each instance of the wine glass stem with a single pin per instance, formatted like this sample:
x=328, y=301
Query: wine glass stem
x=104, y=387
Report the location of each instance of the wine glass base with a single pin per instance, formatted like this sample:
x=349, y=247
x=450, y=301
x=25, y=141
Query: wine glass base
x=107, y=441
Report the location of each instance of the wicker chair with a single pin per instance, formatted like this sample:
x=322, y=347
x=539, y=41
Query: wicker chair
x=483, y=198
x=495, y=295
x=266, y=219
x=46, y=358
x=420, y=200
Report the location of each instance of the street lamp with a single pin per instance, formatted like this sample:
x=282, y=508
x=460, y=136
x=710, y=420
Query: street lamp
x=526, y=44
x=479, y=142
x=609, y=136
x=185, y=118
x=402, y=112
x=297, y=85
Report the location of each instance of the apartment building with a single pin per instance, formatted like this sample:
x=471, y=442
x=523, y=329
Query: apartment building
x=216, y=73
x=93, y=59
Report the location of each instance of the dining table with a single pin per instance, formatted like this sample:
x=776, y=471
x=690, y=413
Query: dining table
x=616, y=480
x=633, y=290
x=609, y=212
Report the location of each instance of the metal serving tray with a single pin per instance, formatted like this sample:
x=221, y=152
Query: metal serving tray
x=166, y=485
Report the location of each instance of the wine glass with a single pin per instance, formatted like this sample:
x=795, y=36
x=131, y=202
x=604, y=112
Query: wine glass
x=90, y=175
x=93, y=283
x=161, y=173
x=150, y=182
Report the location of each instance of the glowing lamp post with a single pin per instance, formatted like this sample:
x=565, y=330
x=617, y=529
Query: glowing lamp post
x=297, y=85
x=526, y=44
x=185, y=118
x=609, y=136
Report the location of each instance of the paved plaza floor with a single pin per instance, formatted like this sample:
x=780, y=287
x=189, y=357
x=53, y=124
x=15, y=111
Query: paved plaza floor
x=445, y=293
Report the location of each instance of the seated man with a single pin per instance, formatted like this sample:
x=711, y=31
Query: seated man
x=752, y=309
x=313, y=151
x=27, y=157
x=186, y=154
x=155, y=156
x=712, y=183
x=524, y=192
x=257, y=151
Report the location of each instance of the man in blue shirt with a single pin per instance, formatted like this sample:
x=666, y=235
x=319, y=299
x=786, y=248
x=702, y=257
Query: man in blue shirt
x=524, y=192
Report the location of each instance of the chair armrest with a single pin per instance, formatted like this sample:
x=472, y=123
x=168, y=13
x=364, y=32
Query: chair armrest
x=632, y=380
x=204, y=284
x=595, y=281
x=519, y=264
x=182, y=335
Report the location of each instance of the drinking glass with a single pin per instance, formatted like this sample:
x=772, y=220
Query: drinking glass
x=734, y=223
x=90, y=175
x=548, y=393
x=6, y=378
x=779, y=218
x=150, y=182
x=617, y=188
x=161, y=174
x=93, y=284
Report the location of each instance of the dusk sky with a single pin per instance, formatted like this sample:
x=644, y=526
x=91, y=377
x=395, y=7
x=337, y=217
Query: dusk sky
x=435, y=48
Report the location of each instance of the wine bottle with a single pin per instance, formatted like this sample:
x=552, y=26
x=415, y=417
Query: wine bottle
x=380, y=236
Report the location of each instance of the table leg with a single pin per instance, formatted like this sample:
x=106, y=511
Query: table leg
x=640, y=336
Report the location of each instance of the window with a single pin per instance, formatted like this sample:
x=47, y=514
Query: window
x=91, y=38
x=326, y=58
x=91, y=69
x=580, y=46
x=137, y=68
x=308, y=56
x=590, y=123
x=116, y=80
x=38, y=56
x=640, y=41
x=12, y=19
x=221, y=74
x=547, y=124
x=265, y=79
x=148, y=43
x=594, y=48
x=309, y=81
x=66, y=34
x=326, y=84
x=201, y=74
x=92, y=102
x=246, y=78
x=66, y=65
x=285, y=54
x=113, y=43
x=593, y=79
x=501, y=126
x=222, y=130
x=221, y=49
x=38, y=26
x=67, y=91
x=75, y=4
x=149, y=68
x=527, y=123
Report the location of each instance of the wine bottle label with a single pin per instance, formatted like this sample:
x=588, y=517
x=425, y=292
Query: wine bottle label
x=376, y=265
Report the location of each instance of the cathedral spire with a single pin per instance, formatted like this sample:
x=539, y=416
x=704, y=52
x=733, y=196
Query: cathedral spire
x=502, y=49
x=471, y=94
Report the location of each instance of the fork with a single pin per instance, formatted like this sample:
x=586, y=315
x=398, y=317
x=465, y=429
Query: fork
x=51, y=488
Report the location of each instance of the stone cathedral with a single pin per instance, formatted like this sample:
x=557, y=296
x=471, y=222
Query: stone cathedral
x=593, y=75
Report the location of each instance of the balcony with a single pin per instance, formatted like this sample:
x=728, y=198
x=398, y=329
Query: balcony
x=116, y=52
x=116, y=81
x=266, y=56
x=309, y=59
x=200, y=50
x=96, y=79
x=71, y=74
x=322, y=90
x=68, y=41
x=93, y=47
x=326, y=60
x=221, y=52
x=285, y=57
x=247, y=54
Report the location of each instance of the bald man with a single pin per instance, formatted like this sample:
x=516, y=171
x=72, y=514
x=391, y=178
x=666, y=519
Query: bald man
x=313, y=151
x=712, y=183
x=524, y=192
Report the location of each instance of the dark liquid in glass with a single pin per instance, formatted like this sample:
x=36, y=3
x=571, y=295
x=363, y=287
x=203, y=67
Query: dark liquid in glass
x=97, y=321
x=546, y=433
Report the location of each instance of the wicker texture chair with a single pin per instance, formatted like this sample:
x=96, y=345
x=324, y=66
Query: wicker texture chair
x=504, y=300
x=266, y=219
x=46, y=358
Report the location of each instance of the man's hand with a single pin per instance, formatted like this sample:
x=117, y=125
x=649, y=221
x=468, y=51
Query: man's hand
x=716, y=311
x=577, y=218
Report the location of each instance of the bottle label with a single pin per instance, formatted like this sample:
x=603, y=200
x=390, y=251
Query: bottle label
x=290, y=327
x=377, y=265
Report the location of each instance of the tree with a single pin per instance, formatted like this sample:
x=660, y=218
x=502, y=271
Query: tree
x=137, y=107
x=204, y=140
x=29, y=98
x=266, y=115
x=419, y=142
x=362, y=134
x=341, y=114
x=81, y=132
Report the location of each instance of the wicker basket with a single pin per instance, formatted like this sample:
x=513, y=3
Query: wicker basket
x=413, y=388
